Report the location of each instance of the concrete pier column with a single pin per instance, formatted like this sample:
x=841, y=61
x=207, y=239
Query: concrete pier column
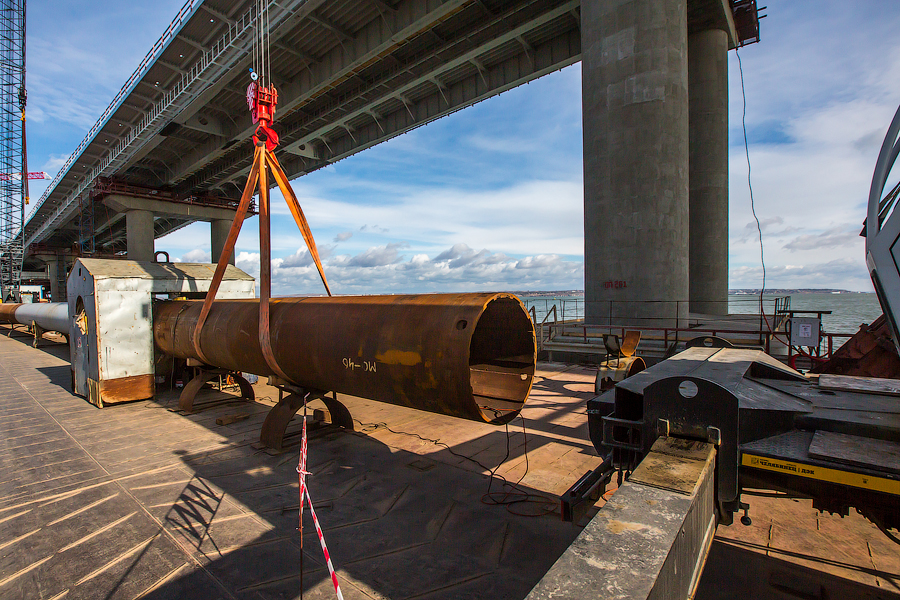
x=708, y=91
x=139, y=233
x=218, y=233
x=53, y=275
x=635, y=118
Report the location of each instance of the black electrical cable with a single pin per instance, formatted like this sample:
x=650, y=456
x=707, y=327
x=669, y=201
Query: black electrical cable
x=382, y=425
x=510, y=498
x=516, y=495
x=762, y=259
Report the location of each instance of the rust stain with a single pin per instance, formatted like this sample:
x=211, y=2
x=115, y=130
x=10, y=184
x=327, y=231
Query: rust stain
x=8, y=313
x=399, y=357
x=123, y=389
x=618, y=527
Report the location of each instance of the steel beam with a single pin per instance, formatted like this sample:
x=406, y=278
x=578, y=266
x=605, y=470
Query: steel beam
x=547, y=57
x=504, y=76
x=343, y=34
x=370, y=43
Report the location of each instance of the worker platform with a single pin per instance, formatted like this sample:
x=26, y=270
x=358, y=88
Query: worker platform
x=141, y=500
x=576, y=341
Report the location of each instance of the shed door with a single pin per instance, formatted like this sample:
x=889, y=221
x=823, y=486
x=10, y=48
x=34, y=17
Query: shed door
x=81, y=338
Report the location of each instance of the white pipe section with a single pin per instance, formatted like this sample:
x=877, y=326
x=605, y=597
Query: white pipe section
x=49, y=316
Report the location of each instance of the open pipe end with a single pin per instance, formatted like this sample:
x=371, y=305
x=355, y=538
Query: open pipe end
x=502, y=357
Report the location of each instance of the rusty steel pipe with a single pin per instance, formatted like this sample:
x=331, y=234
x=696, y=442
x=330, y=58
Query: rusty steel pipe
x=8, y=312
x=467, y=355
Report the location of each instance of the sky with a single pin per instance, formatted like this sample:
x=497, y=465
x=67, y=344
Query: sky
x=490, y=197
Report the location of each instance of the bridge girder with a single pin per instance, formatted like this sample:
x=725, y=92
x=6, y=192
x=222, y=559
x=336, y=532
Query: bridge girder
x=349, y=77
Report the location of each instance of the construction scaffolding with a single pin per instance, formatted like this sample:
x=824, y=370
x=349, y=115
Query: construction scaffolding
x=13, y=185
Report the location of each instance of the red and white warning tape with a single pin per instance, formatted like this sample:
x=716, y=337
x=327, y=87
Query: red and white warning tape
x=304, y=495
x=334, y=579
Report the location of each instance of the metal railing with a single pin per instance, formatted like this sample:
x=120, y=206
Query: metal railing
x=168, y=35
x=567, y=326
x=105, y=186
x=568, y=309
x=668, y=338
x=821, y=354
x=540, y=327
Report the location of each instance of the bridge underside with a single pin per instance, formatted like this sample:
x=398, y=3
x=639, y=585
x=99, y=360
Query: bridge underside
x=350, y=74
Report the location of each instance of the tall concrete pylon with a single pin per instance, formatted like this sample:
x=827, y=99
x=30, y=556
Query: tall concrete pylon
x=635, y=119
x=708, y=90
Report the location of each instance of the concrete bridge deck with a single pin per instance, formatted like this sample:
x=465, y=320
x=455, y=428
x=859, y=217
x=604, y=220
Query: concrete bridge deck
x=173, y=146
x=138, y=501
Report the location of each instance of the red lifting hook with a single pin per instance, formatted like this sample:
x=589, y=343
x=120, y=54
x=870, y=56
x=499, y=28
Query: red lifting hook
x=262, y=101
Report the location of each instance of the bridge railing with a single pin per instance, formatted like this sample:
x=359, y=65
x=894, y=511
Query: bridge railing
x=211, y=65
x=174, y=27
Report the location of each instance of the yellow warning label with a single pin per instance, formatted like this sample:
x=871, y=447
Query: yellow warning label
x=868, y=482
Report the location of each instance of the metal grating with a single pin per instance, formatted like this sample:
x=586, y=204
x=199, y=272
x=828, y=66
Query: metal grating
x=12, y=157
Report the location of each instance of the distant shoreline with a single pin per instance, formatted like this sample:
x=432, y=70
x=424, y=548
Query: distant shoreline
x=780, y=291
x=734, y=292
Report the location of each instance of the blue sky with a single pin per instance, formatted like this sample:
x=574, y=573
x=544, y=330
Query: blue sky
x=491, y=197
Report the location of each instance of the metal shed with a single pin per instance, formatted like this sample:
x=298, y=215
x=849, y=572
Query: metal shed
x=112, y=334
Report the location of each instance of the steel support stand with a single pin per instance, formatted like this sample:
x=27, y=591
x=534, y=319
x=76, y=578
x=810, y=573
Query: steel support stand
x=201, y=377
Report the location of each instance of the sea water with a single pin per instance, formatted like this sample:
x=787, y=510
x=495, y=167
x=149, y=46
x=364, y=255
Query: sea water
x=848, y=310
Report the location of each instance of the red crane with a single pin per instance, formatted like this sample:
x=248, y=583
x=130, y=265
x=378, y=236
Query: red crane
x=18, y=176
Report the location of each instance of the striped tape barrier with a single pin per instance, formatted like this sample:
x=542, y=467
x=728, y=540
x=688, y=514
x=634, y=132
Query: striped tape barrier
x=304, y=495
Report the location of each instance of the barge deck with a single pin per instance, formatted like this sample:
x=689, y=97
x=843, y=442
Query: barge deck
x=138, y=500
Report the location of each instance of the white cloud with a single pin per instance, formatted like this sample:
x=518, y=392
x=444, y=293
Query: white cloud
x=844, y=273
x=820, y=96
x=460, y=255
x=376, y=257
x=248, y=262
x=386, y=269
x=197, y=255
x=836, y=237
x=506, y=145
x=54, y=163
x=523, y=217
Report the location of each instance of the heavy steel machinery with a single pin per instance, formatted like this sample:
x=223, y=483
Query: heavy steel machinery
x=691, y=435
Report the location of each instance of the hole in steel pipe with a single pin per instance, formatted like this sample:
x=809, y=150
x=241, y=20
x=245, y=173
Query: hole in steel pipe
x=501, y=359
